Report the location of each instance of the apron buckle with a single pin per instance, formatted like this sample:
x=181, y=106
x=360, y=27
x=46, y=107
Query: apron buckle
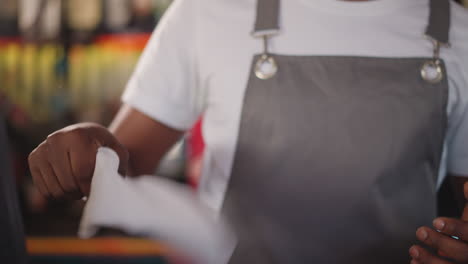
x=266, y=67
x=431, y=71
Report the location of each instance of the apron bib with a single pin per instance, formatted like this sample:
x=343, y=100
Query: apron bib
x=337, y=157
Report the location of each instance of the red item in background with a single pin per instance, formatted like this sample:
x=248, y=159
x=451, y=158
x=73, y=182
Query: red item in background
x=130, y=40
x=196, y=147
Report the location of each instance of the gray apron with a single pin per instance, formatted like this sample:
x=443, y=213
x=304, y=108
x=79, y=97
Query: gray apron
x=337, y=157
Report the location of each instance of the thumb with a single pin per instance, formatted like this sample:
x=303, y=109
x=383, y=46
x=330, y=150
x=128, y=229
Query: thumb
x=465, y=210
x=108, y=140
x=122, y=152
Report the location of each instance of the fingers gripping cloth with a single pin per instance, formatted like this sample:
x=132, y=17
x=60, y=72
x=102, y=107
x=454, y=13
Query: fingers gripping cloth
x=157, y=208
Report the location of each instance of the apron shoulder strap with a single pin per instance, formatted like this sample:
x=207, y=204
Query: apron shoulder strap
x=439, y=21
x=267, y=20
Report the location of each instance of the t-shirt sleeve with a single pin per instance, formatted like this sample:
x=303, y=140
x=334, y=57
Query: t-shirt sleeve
x=164, y=84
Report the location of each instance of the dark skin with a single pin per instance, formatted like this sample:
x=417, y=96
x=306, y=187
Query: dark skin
x=62, y=166
x=448, y=249
x=146, y=140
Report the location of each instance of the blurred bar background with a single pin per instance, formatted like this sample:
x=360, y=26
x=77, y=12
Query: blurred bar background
x=63, y=62
x=67, y=61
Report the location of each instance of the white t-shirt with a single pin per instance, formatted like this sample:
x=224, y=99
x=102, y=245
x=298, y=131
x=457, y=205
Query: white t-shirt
x=198, y=62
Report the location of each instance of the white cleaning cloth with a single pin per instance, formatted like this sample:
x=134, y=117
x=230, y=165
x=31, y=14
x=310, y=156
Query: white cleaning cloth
x=157, y=208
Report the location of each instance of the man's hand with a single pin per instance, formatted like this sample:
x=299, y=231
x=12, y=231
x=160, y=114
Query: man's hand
x=449, y=238
x=62, y=166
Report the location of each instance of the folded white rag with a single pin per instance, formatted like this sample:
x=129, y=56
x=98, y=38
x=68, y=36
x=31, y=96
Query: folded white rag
x=155, y=207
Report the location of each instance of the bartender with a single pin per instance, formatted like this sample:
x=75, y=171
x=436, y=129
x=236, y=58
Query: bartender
x=329, y=124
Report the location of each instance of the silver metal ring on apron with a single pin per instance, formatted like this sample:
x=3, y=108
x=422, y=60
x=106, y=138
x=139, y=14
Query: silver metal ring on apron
x=266, y=67
x=431, y=71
